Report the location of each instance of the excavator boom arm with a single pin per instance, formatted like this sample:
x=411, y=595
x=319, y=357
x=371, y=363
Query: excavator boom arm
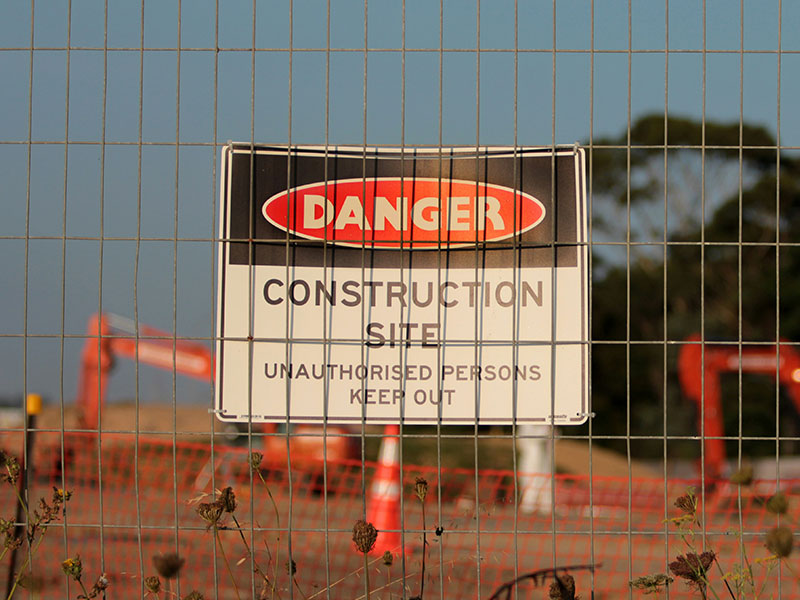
x=110, y=337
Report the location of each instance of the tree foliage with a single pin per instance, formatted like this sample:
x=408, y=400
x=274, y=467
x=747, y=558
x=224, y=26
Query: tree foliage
x=699, y=236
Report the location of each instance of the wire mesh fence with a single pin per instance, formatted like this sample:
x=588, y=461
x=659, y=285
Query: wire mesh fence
x=116, y=116
x=616, y=512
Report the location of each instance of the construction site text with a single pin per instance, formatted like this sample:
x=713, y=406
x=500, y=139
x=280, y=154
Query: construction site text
x=418, y=372
x=401, y=294
x=370, y=375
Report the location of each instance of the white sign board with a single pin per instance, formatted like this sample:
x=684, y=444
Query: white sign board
x=424, y=286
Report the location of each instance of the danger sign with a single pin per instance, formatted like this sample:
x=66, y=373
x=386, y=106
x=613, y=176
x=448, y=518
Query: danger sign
x=388, y=214
x=424, y=286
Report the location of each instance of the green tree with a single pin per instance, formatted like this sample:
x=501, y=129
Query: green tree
x=697, y=236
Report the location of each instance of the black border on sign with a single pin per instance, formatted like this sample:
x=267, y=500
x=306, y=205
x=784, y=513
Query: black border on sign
x=223, y=263
x=232, y=148
x=580, y=171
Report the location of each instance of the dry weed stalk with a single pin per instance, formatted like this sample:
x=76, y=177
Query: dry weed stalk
x=562, y=587
x=37, y=521
x=388, y=559
x=694, y=566
x=73, y=568
x=255, y=466
x=211, y=513
x=421, y=491
x=364, y=536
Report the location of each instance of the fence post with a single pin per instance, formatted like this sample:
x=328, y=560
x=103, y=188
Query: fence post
x=33, y=407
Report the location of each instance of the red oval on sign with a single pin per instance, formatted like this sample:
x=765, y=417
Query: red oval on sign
x=390, y=212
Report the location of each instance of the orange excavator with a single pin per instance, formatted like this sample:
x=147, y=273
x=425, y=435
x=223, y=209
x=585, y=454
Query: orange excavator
x=110, y=337
x=700, y=366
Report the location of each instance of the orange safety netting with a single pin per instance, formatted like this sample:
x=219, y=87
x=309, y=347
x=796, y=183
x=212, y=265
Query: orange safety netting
x=478, y=536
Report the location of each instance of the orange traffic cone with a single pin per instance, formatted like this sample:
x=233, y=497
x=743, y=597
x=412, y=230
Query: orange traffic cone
x=383, y=510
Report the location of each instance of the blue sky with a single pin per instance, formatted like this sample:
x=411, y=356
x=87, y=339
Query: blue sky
x=70, y=193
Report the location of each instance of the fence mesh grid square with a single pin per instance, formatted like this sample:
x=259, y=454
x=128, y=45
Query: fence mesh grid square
x=114, y=118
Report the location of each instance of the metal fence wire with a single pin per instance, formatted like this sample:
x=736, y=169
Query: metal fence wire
x=127, y=128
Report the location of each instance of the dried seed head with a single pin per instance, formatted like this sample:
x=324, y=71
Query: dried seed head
x=101, y=583
x=194, y=595
x=364, y=536
x=255, y=459
x=168, y=565
x=563, y=588
x=228, y=500
x=210, y=512
x=421, y=488
x=388, y=558
x=743, y=476
x=651, y=584
x=7, y=529
x=11, y=543
x=11, y=466
x=46, y=514
x=780, y=541
x=778, y=504
x=687, y=503
x=73, y=567
x=153, y=584
x=60, y=495
x=291, y=567
x=693, y=567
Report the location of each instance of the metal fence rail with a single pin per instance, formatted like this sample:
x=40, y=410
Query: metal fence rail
x=114, y=117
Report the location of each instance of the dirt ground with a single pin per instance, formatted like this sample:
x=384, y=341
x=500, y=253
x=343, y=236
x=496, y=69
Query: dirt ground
x=143, y=505
x=118, y=522
x=187, y=421
x=193, y=423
